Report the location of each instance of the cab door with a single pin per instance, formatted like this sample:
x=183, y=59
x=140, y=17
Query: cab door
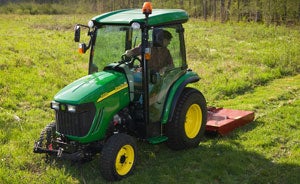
x=160, y=83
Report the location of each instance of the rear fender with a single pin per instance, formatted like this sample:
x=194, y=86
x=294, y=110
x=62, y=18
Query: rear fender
x=175, y=92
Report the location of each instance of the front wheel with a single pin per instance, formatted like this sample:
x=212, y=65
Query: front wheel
x=118, y=157
x=189, y=120
x=47, y=136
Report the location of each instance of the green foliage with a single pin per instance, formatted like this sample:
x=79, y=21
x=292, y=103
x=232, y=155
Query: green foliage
x=268, y=11
x=243, y=66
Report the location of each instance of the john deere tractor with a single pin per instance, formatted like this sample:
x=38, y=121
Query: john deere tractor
x=122, y=99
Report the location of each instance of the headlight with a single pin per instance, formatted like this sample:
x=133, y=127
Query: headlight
x=54, y=105
x=71, y=108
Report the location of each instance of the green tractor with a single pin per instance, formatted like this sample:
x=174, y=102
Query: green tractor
x=123, y=99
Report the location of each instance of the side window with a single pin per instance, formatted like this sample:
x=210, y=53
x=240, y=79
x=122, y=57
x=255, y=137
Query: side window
x=174, y=47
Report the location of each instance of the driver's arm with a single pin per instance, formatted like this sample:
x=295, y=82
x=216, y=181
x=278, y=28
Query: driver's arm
x=133, y=52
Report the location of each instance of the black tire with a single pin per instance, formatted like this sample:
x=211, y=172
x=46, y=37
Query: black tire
x=50, y=134
x=47, y=136
x=118, y=157
x=189, y=120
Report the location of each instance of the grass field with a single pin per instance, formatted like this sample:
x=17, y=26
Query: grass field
x=242, y=66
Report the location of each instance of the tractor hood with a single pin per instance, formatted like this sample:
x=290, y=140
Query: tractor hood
x=91, y=88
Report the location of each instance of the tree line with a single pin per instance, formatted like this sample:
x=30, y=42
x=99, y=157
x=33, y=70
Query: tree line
x=268, y=11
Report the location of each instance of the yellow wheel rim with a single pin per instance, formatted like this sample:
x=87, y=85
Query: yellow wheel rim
x=193, y=121
x=124, y=160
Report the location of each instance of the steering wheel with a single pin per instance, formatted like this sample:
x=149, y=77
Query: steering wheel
x=130, y=60
x=135, y=58
x=125, y=59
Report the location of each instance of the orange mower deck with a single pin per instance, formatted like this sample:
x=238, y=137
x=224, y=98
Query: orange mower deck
x=223, y=121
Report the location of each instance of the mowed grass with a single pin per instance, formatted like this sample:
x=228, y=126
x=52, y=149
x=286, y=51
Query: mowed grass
x=242, y=66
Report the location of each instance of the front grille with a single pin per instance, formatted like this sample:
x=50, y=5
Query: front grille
x=75, y=124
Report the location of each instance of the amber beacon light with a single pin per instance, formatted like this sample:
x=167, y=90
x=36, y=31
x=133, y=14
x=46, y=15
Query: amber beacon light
x=147, y=8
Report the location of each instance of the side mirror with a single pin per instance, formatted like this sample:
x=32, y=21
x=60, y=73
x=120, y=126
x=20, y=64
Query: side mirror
x=77, y=33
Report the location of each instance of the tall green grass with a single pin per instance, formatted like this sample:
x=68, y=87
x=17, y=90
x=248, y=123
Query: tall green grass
x=243, y=66
x=236, y=57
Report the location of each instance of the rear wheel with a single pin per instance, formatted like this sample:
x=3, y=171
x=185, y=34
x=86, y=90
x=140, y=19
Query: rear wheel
x=118, y=157
x=189, y=120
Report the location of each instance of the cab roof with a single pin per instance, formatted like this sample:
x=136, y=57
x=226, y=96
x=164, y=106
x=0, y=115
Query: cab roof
x=127, y=16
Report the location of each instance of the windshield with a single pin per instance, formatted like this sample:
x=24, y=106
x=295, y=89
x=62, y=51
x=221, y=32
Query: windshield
x=111, y=42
